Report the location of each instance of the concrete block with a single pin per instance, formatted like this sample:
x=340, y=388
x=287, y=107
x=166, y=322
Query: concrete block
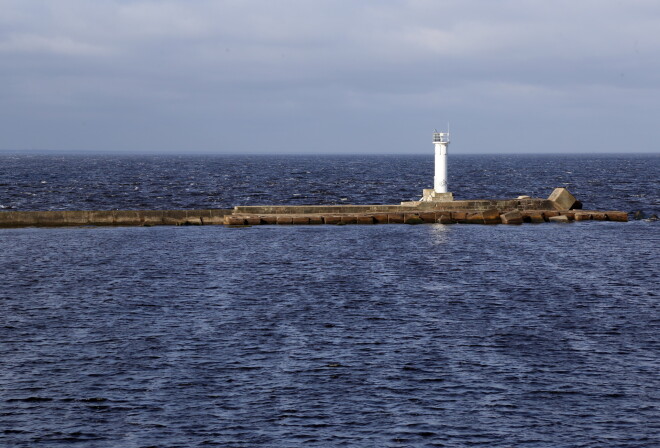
x=127, y=218
x=316, y=219
x=536, y=218
x=459, y=216
x=252, y=220
x=76, y=218
x=268, y=219
x=582, y=216
x=395, y=218
x=547, y=214
x=231, y=220
x=413, y=218
x=210, y=220
x=167, y=221
x=617, y=216
x=193, y=221
x=491, y=216
x=331, y=219
x=219, y=213
x=513, y=217
x=152, y=217
x=101, y=218
x=380, y=218
x=349, y=219
x=559, y=218
x=562, y=198
x=427, y=217
x=284, y=220
x=444, y=218
x=365, y=219
x=300, y=220
x=179, y=215
x=475, y=218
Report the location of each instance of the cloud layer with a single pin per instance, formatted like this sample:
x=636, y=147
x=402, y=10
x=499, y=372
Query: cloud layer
x=329, y=76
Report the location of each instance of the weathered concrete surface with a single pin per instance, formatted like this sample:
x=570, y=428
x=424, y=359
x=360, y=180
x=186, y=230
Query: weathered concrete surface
x=64, y=218
x=563, y=199
x=513, y=217
x=405, y=207
x=508, y=211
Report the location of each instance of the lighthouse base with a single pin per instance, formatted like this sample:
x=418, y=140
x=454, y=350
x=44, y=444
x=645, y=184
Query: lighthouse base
x=430, y=195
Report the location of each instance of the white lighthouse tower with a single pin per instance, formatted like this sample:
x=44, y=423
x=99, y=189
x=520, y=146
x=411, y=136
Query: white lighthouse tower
x=439, y=191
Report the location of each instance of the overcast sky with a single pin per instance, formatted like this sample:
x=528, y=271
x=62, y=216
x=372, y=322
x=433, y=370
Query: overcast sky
x=324, y=76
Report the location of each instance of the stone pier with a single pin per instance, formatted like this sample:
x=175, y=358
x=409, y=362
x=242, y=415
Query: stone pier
x=560, y=207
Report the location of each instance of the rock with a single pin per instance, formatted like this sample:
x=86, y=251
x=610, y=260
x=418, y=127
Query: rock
x=639, y=215
x=491, y=216
x=559, y=218
x=562, y=198
x=653, y=217
x=512, y=217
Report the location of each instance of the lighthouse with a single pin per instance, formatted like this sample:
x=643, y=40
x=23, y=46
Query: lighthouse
x=441, y=143
x=439, y=191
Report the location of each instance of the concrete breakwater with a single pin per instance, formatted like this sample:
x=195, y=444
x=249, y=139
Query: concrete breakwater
x=66, y=218
x=561, y=206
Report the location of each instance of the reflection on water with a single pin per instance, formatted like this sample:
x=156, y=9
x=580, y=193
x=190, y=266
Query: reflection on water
x=440, y=233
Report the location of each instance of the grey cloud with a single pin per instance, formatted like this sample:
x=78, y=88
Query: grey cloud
x=376, y=76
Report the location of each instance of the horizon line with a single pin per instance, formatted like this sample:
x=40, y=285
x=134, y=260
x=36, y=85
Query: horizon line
x=211, y=153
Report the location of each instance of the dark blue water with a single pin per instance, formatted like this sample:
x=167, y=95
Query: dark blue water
x=109, y=182
x=369, y=336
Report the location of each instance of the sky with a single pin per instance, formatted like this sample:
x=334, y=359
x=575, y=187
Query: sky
x=329, y=76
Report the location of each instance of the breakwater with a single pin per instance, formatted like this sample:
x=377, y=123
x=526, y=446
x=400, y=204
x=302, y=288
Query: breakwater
x=561, y=206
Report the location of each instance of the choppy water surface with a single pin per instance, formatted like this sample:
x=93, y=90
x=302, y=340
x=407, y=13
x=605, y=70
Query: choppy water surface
x=111, y=182
x=536, y=336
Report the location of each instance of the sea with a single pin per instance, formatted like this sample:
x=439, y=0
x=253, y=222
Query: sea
x=540, y=335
